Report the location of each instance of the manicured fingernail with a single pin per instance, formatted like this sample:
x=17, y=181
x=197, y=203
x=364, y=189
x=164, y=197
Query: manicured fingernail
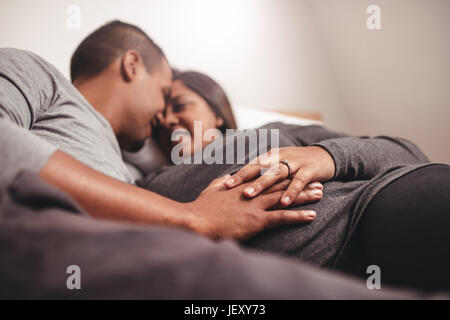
x=250, y=190
x=230, y=181
x=317, y=193
x=286, y=200
x=311, y=215
x=317, y=185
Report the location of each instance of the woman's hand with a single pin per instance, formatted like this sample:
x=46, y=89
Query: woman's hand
x=305, y=165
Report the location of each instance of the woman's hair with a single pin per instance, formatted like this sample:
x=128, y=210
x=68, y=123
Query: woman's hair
x=212, y=93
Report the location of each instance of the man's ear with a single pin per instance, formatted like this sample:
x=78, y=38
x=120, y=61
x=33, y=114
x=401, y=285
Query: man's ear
x=130, y=64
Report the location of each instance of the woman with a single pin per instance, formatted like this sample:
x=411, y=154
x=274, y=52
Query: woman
x=379, y=193
x=194, y=97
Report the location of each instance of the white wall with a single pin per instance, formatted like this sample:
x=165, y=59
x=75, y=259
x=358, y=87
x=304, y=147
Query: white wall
x=394, y=81
x=290, y=54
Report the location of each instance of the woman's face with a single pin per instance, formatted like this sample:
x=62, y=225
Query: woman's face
x=183, y=109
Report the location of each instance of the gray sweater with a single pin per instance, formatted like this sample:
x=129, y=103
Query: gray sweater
x=363, y=167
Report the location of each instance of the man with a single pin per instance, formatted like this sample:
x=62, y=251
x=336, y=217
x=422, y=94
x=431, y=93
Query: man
x=72, y=138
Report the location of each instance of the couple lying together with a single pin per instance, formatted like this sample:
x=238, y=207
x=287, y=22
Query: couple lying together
x=334, y=200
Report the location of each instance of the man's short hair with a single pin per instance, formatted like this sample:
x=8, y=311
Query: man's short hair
x=109, y=42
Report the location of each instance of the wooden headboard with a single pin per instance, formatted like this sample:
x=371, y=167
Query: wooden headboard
x=301, y=114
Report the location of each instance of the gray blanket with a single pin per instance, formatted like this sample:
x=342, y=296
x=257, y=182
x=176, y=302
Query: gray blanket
x=43, y=232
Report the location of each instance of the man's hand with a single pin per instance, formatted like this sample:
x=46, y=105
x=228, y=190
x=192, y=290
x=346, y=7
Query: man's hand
x=223, y=213
x=306, y=164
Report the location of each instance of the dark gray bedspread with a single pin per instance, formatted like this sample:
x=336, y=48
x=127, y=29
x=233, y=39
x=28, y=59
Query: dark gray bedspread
x=42, y=232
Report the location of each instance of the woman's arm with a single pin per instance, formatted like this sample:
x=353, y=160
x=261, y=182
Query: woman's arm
x=307, y=135
x=360, y=158
x=323, y=155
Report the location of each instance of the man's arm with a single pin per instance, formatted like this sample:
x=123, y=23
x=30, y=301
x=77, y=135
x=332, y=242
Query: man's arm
x=106, y=197
x=20, y=150
x=217, y=213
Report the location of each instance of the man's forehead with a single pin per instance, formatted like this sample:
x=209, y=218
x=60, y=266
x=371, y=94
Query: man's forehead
x=166, y=73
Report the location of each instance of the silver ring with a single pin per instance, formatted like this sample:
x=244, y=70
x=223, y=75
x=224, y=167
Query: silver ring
x=285, y=162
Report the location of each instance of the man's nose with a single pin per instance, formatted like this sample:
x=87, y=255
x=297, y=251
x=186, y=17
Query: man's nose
x=170, y=119
x=160, y=117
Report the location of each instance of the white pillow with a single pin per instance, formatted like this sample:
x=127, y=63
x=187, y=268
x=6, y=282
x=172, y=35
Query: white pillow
x=250, y=118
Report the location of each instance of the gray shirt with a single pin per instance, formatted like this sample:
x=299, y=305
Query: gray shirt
x=41, y=112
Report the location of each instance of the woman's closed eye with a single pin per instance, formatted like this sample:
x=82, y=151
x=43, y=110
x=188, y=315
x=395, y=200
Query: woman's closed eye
x=178, y=107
